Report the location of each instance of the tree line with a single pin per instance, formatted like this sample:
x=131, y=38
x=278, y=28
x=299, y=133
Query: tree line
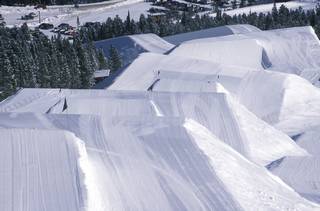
x=30, y=59
x=46, y=2
x=175, y=23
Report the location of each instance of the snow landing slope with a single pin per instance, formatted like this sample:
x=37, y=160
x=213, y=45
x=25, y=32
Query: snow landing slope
x=131, y=46
x=201, y=176
x=302, y=173
x=143, y=72
x=224, y=117
x=42, y=170
x=292, y=50
x=212, y=32
x=293, y=103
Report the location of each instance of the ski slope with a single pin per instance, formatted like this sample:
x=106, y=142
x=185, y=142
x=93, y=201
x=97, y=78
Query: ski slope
x=293, y=103
x=122, y=141
x=205, y=125
x=42, y=170
x=225, y=51
x=301, y=173
x=142, y=73
x=292, y=50
x=229, y=121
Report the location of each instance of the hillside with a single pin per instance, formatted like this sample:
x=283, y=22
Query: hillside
x=210, y=122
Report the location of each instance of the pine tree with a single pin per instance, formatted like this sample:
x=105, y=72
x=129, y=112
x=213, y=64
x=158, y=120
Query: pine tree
x=8, y=81
x=114, y=59
x=103, y=64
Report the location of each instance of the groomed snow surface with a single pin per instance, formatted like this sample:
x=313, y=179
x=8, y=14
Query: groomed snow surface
x=217, y=123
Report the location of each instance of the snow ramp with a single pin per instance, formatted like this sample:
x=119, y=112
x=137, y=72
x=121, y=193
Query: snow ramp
x=197, y=173
x=286, y=101
x=233, y=52
x=301, y=173
x=131, y=46
x=43, y=170
x=225, y=118
x=142, y=73
x=212, y=32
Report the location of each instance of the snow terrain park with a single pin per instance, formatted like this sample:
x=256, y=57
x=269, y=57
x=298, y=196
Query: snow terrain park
x=226, y=119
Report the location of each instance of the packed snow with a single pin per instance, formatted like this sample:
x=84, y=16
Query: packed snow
x=210, y=122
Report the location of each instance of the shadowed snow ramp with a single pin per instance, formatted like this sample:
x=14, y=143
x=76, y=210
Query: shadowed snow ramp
x=141, y=74
x=212, y=32
x=286, y=101
x=291, y=50
x=184, y=166
x=302, y=173
x=131, y=46
x=42, y=170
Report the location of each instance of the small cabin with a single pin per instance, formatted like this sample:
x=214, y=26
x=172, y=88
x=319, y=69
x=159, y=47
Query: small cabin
x=99, y=75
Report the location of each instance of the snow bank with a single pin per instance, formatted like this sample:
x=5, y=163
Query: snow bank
x=287, y=101
x=43, y=170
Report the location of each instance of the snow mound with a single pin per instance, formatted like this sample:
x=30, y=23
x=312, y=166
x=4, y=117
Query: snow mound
x=131, y=46
x=301, y=173
x=43, y=170
x=142, y=73
x=233, y=52
x=28, y=100
x=212, y=32
x=222, y=115
x=264, y=192
x=198, y=170
x=291, y=50
x=286, y=101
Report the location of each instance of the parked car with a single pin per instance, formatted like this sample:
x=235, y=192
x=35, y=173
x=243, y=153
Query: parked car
x=42, y=6
x=46, y=26
x=29, y=16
